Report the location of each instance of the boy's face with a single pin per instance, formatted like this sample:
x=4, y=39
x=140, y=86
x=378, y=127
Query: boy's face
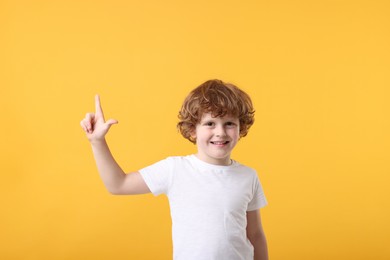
x=216, y=137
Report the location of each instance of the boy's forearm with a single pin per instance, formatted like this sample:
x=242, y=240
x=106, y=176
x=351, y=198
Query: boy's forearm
x=260, y=247
x=109, y=170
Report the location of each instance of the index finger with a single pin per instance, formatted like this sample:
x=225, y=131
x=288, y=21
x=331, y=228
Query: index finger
x=98, y=107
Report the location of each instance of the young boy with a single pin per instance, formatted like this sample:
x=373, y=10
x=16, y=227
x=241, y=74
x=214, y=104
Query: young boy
x=214, y=200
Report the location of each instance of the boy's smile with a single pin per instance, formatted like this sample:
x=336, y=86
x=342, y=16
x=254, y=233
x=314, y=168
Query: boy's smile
x=216, y=137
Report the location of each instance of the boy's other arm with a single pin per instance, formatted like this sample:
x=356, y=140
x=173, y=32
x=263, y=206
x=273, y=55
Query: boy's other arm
x=256, y=236
x=114, y=178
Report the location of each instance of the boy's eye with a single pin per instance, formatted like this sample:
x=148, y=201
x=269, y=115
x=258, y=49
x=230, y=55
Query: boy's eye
x=230, y=124
x=209, y=124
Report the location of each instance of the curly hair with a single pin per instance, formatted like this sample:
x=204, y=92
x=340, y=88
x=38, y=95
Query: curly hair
x=219, y=99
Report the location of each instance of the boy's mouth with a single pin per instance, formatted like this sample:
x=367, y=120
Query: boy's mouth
x=219, y=142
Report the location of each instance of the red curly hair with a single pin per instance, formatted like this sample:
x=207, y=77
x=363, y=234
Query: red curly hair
x=219, y=99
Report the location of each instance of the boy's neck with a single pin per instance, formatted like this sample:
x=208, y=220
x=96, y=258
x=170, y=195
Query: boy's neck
x=221, y=162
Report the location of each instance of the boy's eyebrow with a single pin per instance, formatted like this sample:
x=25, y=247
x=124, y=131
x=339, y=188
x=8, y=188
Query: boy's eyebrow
x=207, y=120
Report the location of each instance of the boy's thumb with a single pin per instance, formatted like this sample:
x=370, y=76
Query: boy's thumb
x=111, y=122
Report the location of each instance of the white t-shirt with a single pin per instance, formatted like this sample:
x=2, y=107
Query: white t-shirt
x=208, y=206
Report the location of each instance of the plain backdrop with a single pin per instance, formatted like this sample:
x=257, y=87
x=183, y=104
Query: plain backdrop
x=318, y=74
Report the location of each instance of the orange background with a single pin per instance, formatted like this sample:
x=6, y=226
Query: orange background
x=318, y=73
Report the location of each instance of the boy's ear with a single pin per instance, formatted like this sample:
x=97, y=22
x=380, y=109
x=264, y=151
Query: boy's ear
x=193, y=133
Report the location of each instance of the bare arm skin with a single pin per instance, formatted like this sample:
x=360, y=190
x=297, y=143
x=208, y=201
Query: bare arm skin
x=256, y=236
x=114, y=178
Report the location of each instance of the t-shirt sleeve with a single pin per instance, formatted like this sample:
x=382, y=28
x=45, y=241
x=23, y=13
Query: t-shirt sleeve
x=259, y=200
x=158, y=176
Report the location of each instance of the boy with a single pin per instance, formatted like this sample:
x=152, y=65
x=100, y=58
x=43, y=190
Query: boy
x=214, y=200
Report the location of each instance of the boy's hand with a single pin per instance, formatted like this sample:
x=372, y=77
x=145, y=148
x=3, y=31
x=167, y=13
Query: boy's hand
x=94, y=124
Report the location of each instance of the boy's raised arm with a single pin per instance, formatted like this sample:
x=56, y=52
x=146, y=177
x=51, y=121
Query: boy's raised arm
x=114, y=178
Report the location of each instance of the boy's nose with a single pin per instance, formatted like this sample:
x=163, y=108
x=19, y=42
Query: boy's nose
x=220, y=131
